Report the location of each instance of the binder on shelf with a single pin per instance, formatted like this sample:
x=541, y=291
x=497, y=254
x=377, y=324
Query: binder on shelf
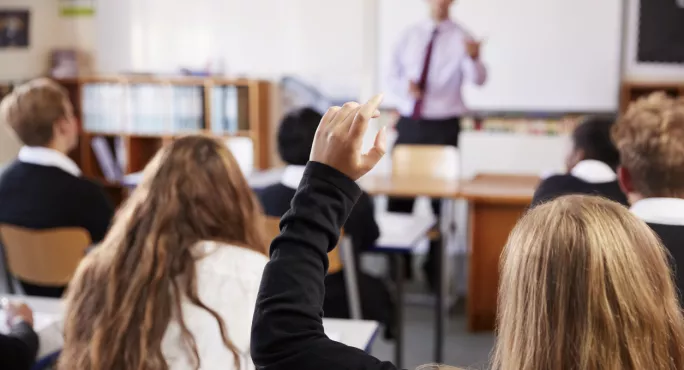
x=218, y=102
x=232, y=109
x=105, y=157
x=243, y=109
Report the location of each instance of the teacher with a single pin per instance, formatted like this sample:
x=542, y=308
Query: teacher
x=429, y=66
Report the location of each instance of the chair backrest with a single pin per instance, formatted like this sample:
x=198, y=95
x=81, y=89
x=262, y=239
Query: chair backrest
x=426, y=161
x=335, y=260
x=44, y=257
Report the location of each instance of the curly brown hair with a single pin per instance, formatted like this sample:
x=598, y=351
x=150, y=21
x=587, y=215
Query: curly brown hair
x=127, y=291
x=650, y=138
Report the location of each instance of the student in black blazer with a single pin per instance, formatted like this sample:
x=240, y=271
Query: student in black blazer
x=44, y=188
x=650, y=138
x=18, y=349
x=592, y=164
x=295, y=138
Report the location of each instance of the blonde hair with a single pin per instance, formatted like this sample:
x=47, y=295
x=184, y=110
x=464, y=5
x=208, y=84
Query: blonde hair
x=32, y=109
x=586, y=285
x=650, y=139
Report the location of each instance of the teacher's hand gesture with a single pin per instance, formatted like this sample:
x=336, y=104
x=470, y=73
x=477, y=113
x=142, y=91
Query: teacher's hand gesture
x=473, y=48
x=340, y=135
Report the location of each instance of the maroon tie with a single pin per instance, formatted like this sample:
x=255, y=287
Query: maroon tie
x=422, y=83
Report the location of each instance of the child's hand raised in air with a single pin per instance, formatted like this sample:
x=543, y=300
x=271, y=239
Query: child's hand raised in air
x=340, y=135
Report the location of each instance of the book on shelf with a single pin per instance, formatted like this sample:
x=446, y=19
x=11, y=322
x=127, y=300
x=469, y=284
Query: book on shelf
x=229, y=109
x=149, y=109
x=108, y=157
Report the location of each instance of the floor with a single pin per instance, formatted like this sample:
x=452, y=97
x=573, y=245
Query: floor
x=462, y=349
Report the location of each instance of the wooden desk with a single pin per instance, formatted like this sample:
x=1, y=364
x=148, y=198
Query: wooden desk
x=411, y=187
x=496, y=203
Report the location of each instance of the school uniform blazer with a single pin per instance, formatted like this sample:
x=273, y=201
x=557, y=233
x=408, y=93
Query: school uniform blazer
x=287, y=329
x=590, y=177
x=18, y=349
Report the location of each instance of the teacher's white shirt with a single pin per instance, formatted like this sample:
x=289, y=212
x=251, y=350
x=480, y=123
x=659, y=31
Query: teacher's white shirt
x=449, y=68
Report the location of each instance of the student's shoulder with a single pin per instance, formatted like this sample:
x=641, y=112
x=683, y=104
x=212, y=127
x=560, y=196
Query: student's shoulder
x=230, y=260
x=559, y=180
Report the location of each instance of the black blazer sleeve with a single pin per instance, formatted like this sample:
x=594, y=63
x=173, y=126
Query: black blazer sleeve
x=98, y=213
x=361, y=225
x=287, y=330
x=18, y=350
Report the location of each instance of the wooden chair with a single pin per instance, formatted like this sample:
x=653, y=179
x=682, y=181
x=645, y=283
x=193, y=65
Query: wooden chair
x=340, y=257
x=434, y=161
x=44, y=257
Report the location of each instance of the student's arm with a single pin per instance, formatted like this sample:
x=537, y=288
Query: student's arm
x=98, y=212
x=18, y=349
x=361, y=225
x=287, y=330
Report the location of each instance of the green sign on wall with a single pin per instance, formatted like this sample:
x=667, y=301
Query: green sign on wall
x=76, y=8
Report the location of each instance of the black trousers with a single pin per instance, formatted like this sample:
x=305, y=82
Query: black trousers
x=424, y=132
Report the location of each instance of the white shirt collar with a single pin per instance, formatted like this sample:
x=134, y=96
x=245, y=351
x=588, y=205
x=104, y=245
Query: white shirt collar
x=48, y=157
x=593, y=172
x=292, y=176
x=665, y=211
x=441, y=26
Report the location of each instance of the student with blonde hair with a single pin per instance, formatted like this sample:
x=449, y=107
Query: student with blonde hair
x=174, y=283
x=584, y=284
x=44, y=188
x=650, y=139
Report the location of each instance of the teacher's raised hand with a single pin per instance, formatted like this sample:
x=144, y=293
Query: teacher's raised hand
x=339, y=139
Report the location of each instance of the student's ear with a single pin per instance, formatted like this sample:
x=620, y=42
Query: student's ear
x=625, y=181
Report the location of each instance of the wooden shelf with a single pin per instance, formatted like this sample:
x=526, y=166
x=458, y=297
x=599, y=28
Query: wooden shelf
x=253, y=121
x=633, y=90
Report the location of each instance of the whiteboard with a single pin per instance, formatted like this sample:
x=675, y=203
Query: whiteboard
x=542, y=55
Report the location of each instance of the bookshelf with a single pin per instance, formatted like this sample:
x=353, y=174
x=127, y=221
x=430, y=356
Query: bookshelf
x=133, y=117
x=631, y=91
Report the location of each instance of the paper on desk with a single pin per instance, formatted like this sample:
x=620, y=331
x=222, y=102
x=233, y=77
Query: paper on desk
x=334, y=336
x=402, y=230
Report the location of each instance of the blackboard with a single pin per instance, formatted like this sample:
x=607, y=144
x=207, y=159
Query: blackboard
x=661, y=31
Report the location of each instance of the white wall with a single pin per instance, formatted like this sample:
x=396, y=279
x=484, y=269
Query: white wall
x=48, y=31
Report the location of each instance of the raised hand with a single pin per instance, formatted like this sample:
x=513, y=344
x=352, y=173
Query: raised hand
x=340, y=135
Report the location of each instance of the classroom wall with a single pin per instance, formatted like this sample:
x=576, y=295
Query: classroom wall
x=48, y=31
x=331, y=43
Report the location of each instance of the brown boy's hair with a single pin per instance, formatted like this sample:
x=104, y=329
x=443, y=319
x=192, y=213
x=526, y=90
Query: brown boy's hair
x=650, y=139
x=32, y=109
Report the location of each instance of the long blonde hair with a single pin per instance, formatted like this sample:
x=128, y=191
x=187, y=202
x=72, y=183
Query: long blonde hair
x=126, y=292
x=585, y=285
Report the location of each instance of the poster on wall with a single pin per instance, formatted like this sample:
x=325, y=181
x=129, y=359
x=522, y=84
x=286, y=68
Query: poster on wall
x=661, y=31
x=76, y=8
x=14, y=28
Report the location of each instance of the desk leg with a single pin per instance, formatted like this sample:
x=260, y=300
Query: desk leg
x=489, y=227
x=443, y=281
x=399, y=314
